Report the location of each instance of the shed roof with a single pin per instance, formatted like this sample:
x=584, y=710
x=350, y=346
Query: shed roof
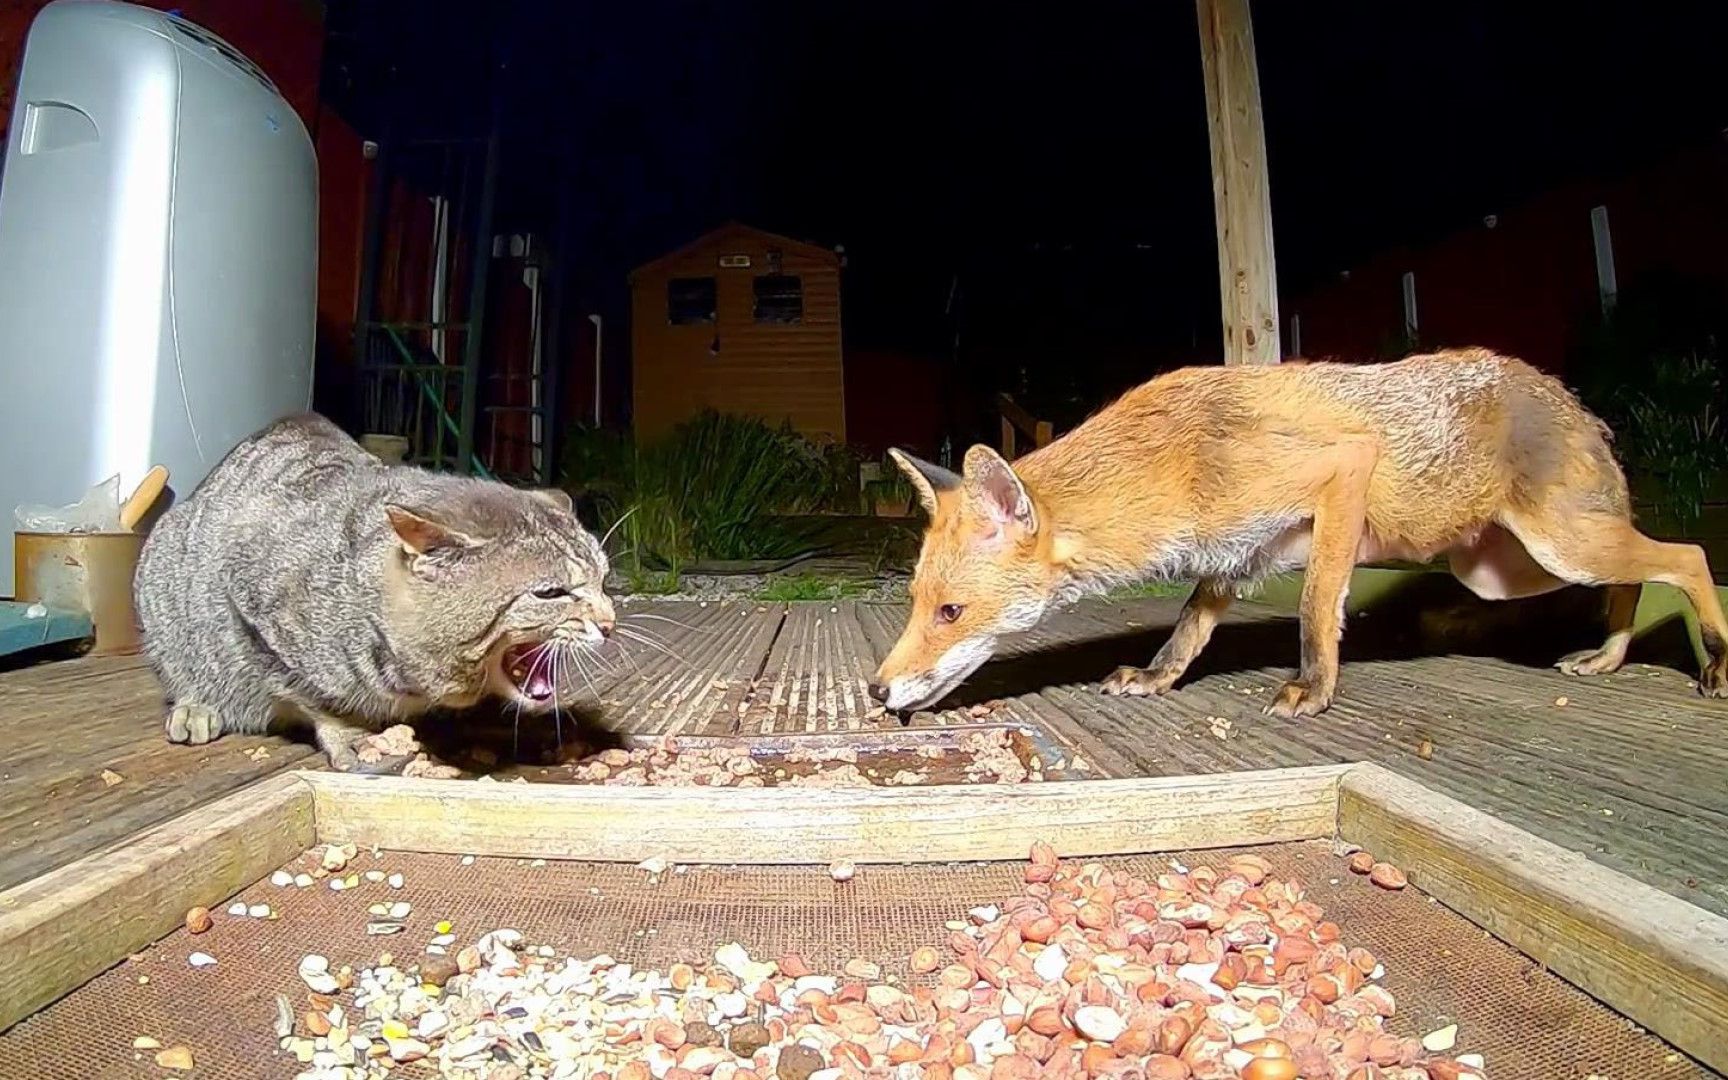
x=736, y=230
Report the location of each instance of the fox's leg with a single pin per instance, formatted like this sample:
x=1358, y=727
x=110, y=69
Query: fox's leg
x=1339, y=520
x=1497, y=566
x=1605, y=549
x=1622, y=608
x=1206, y=605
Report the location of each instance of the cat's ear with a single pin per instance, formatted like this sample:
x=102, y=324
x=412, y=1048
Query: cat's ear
x=556, y=498
x=420, y=535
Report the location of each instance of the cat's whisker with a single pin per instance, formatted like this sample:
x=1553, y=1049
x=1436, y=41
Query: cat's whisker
x=632, y=635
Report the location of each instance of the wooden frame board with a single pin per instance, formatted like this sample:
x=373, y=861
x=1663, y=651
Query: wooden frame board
x=1655, y=958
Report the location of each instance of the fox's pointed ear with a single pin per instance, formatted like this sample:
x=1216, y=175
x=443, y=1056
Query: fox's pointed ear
x=992, y=481
x=927, y=479
x=420, y=535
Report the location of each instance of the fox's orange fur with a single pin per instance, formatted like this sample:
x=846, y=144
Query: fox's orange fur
x=1223, y=475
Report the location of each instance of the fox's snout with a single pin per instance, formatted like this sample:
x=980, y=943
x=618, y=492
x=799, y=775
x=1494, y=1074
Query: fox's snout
x=878, y=690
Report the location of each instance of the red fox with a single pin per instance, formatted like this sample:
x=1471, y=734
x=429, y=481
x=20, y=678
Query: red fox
x=1224, y=475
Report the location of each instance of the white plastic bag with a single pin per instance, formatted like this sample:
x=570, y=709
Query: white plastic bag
x=97, y=511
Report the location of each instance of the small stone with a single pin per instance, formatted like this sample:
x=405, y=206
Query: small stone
x=798, y=1062
x=746, y=1039
x=374, y=876
x=1099, y=1023
x=1388, y=876
x=1362, y=862
x=145, y=1042
x=702, y=1033
x=467, y=860
x=400, y=909
x=110, y=778
x=316, y=1023
x=199, y=960
x=1438, y=1042
x=654, y=866
x=175, y=1057
x=842, y=870
x=237, y=909
x=439, y=970
x=302, y=881
x=198, y=920
x=394, y=881
x=259, y=911
x=281, y=878
x=336, y=857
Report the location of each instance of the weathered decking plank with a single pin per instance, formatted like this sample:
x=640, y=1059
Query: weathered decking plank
x=1629, y=771
x=1626, y=772
x=63, y=724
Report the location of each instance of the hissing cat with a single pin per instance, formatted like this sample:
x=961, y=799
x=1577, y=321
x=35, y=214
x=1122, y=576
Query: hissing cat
x=306, y=580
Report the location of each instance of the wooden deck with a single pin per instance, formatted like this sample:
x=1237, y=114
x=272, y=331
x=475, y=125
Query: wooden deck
x=1628, y=769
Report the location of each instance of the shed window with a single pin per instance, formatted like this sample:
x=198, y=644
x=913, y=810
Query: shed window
x=690, y=301
x=779, y=298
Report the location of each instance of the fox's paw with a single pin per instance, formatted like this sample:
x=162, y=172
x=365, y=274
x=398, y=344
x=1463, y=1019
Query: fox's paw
x=1139, y=682
x=1713, y=680
x=1297, y=698
x=1603, y=661
x=190, y=722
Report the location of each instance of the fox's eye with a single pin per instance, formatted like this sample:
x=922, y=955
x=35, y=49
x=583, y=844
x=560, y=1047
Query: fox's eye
x=949, y=613
x=551, y=592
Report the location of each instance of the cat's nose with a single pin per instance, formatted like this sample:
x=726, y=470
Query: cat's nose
x=879, y=691
x=604, y=626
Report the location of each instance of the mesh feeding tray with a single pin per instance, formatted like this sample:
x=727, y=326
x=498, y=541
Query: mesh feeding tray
x=1442, y=968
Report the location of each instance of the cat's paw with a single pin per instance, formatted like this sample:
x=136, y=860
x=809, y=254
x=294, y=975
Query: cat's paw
x=190, y=722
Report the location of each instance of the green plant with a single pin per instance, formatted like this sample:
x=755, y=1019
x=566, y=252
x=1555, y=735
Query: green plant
x=798, y=587
x=890, y=487
x=716, y=487
x=1671, y=437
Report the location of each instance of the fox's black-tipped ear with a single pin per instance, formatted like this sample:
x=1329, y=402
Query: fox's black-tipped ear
x=420, y=535
x=992, y=481
x=927, y=479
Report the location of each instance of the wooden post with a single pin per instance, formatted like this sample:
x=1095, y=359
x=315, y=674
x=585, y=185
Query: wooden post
x=1241, y=196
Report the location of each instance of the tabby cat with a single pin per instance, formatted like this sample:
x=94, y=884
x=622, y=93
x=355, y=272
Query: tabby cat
x=307, y=581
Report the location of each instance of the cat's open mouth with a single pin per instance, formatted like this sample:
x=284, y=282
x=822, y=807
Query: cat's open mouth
x=529, y=668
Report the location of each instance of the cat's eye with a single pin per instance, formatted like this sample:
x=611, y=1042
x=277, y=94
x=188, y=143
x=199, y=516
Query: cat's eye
x=551, y=592
x=948, y=613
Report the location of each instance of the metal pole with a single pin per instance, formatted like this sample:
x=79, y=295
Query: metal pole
x=480, y=266
x=377, y=194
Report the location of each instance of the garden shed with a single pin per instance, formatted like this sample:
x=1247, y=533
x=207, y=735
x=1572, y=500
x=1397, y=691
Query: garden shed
x=741, y=321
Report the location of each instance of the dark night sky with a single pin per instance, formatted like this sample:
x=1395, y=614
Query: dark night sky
x=940, y=138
